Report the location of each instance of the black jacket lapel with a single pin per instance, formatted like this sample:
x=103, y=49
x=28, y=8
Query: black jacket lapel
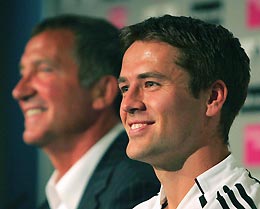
x=103, y=172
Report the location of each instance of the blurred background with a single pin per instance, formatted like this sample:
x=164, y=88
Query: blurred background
x=24, y=169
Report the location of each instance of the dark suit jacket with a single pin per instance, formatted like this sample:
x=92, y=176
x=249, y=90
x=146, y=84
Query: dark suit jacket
x=118, y=182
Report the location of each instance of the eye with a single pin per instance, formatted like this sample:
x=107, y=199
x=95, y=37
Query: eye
x=123, y=89
x=45, y=68
x=151, y=84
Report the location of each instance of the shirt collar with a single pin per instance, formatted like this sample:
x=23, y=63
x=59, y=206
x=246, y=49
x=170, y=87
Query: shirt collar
x=163, y=197
x=213, y=176
x=78, y=176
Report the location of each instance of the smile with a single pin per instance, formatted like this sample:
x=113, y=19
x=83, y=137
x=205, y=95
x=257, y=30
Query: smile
x=33, y=112
x=137, y=125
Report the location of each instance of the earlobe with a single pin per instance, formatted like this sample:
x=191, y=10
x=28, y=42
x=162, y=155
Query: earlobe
x=104, y=92
x=217, y=97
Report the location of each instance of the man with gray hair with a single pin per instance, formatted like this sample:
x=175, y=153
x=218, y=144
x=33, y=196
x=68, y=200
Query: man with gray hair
x=68, y=94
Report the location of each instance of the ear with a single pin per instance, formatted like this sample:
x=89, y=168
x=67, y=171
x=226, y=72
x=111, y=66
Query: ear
x=217, y=96
x=104, y=92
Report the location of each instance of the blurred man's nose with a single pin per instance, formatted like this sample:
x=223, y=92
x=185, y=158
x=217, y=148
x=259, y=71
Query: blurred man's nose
x=23, y=89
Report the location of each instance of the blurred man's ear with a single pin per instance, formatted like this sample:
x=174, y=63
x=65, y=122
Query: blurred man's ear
x=105, y=92
x=217, y=97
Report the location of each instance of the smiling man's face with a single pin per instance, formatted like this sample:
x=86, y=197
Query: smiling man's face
x=49, y=93
x=162, y=118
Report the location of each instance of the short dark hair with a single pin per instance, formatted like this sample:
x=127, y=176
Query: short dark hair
x=208, y=53
x=97, y=46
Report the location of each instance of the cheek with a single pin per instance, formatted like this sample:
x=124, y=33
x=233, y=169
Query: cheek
x=61, y=101
x=122, y=115
x=173, y=112
x=160, y=104
x=163, y=111
x=49, y=88
x=59, y=98
x=63, y=92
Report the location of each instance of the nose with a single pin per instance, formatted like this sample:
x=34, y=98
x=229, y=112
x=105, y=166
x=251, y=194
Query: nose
x=132, y=101
x=23, y=89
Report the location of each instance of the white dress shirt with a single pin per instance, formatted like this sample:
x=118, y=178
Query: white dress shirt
x=67, y=192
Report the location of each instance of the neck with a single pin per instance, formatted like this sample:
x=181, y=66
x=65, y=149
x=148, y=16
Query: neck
x=177, y=184
x=67, y=150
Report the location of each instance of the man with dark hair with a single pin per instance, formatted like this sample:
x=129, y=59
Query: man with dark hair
x=183, y=82
x=67, y=92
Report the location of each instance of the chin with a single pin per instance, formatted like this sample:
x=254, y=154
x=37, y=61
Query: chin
x=33, y=139
x=132, y=152
x=136, y=154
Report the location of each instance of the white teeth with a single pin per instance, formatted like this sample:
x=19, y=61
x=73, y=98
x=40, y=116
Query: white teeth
x=137, y=125
x=32, y=112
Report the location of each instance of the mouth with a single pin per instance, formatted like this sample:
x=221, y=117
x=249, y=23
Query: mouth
x=138, y=129
x=33, y=112
x=137, y=125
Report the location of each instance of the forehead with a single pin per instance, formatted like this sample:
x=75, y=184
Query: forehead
x=49, y=43
x=144, y=56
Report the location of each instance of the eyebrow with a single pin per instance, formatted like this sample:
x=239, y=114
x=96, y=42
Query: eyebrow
x=36, y=63
x=144, y=76
x=121, y=80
